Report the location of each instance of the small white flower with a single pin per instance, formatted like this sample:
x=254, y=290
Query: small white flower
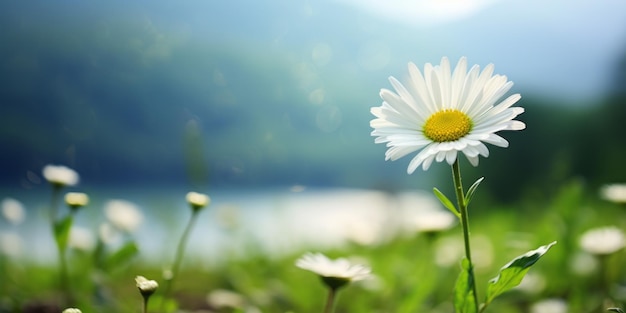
x=197, y=200
x=603, y=240
x=444, y=112
x=448, y=251
x=108, y=234
x=549, y=306
x=124, y=215
x=76, y=199
x=335, y=273
x=13, y=211
x=10, y=244
x=532, y=283
x=614, y=193
x=429, y=220
x=72, y=310
x=146, y=286
x=60, y=175
x=81, y=239
x=583, y=264
x=222, y=298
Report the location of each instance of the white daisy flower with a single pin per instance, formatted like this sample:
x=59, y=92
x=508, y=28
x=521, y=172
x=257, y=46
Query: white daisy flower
x=124, y=215
x=603, y=240
x=442, y=113
x=614, y=193
x=334, y=273
x=81, y=239
x=552, y=305
x=11, y=244
x=430, y=220
x=60, y=175
x=222, y=298
x=13, y=211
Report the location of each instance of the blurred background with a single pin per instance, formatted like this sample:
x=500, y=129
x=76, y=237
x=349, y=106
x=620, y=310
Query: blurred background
x=142, y=96
x=277, y=93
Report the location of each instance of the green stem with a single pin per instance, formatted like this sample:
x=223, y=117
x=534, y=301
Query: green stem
x=54, y=203
x=63, y=274
x=460, y=198
x=331, y=300
x=145, y=304
x=178, y=258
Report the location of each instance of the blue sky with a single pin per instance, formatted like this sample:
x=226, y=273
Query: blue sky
x=564, y=49
x=560, y=49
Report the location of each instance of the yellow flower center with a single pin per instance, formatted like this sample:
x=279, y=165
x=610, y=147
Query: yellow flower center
x=447, y=125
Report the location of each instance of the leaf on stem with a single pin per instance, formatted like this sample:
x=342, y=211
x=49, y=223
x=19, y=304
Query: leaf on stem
x=464, y=300
x=62, y=232
x=512, y=273
x=446, y=202
x=471, y=190
x=122, y=255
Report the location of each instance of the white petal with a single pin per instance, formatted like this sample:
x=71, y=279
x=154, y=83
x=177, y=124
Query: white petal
x=516, y=125
x=441, y=155
x=473, y=160
x=456, y=84
x=428, y=162
x=482, y=149
x=432, y=85
x=451, y=156
x=444, y=82
x=396, y=152
x=497, y=141
x=418, y=84
x=397, y=103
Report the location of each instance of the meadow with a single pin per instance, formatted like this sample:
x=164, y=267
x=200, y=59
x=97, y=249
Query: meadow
x=412, y=271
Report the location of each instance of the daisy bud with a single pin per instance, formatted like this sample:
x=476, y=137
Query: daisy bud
x=146, y=287
x=76, y=200
x=197, y=200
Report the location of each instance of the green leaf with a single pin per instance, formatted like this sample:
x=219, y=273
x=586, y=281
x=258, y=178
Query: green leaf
x=471, y=190
x=512, y=273
x=618, y=310
x=446, y=202
x=122, y=255
x=464, y=300
x=62, y=232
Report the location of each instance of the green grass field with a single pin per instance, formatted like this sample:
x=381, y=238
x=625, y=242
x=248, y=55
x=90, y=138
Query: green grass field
x=413, y=273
